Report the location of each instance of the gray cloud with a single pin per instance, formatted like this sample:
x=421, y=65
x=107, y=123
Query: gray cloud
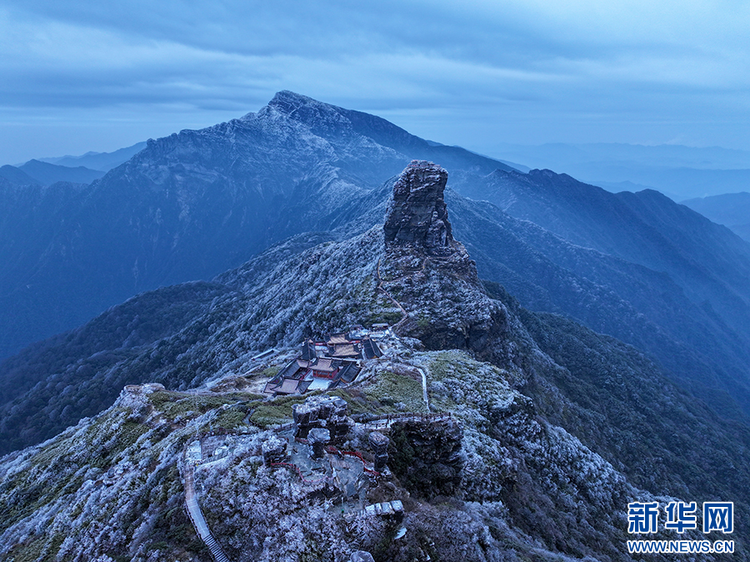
x=477, y=73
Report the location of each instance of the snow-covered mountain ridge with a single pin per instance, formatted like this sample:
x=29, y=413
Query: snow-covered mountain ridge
x=560, y=428
x=189, y=206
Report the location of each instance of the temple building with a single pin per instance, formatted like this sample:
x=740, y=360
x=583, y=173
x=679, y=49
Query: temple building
x=325, y=365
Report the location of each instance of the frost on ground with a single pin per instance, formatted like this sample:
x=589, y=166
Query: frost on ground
x=493, y=481
x=111, y=487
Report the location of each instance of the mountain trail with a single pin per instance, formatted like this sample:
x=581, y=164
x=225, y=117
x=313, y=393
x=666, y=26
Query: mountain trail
x=196, y=517
x=388, y=294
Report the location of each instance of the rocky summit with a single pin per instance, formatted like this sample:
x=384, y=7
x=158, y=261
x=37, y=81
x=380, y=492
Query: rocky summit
x=428, y=274
x=417, y=214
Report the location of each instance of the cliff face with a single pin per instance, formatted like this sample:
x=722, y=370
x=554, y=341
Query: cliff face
x=417, y=215
x=417, y=228
x=429, y=274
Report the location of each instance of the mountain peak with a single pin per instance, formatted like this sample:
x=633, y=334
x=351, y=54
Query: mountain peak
x=428, y=274
x=305, y=109
x=287, y=101
x=336, y=123
x=417, y=229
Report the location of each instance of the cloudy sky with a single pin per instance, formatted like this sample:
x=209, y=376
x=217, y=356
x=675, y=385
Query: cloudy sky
x=92, y=75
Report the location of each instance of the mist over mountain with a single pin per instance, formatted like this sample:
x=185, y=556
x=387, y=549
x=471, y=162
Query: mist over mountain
x=12, y=176
x=553, y=428
x=679, y=172
x=35, y=172
x=730, y=209
x=102, y=161
x=47, y=174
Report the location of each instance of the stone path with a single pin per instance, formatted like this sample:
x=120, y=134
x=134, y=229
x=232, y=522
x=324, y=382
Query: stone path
x=425, y=397
x=196, y=516
x=381, y=286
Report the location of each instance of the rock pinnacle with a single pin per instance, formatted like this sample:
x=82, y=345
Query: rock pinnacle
x=417, y=216
x=430, y=275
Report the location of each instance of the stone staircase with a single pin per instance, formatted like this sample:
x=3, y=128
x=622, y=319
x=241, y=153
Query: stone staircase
x=196, y=516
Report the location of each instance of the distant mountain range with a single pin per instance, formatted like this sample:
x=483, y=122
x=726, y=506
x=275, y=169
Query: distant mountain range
x=42, y=173
x=730, y=209
x=72, y=169
x=644, y=307
x=709, y=264
x=102, y=161
x=680, y=172
x=187, y=207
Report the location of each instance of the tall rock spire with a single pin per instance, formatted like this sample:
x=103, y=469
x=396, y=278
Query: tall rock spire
x=429, y=274
x=417, y=231
x=417, y=215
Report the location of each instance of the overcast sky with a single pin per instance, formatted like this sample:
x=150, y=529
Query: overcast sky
x=93, y=75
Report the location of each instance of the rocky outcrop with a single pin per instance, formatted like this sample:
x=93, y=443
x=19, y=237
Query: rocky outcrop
x=426, y=456
x=431, y=275
x=417, y=215
x=322, y=412
x=417, y=231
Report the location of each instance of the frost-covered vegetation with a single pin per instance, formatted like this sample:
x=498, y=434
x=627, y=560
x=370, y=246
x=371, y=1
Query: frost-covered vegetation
x=111, y=489
x=549, y=433
x=107, y=489
x=307, y=285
